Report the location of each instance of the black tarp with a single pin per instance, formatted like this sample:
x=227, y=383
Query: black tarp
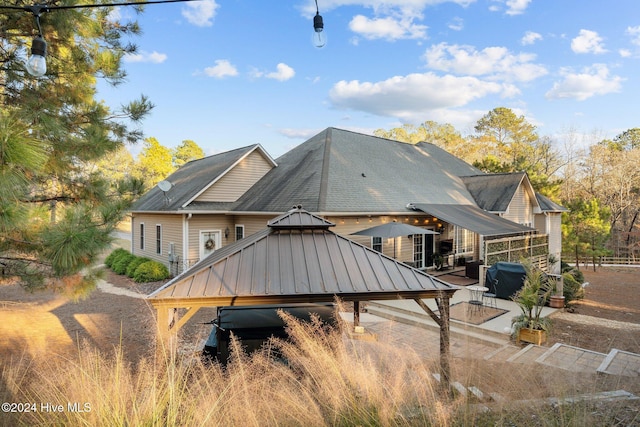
x=505, y=278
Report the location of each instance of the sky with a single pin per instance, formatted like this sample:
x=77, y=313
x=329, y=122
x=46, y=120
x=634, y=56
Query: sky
x=232, y=73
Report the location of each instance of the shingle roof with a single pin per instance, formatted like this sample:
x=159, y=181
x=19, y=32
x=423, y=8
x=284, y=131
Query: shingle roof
x=297, y=264
x=547, y=205
x=494, y=192
x=189, y=180
x=343, y=171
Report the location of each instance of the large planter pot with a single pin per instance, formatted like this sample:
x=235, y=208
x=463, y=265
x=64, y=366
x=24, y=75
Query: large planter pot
x=533, y=336
x=556, y=301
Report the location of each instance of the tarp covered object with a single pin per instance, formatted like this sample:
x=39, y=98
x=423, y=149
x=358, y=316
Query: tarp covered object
x=505, y=278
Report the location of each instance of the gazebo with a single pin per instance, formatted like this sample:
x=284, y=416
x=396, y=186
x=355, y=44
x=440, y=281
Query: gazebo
x=297, y=259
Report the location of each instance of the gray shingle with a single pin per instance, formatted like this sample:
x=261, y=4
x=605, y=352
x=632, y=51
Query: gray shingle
x=188, y=181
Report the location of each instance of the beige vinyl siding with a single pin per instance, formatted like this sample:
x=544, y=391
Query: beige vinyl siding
x=252, y=224
x=210, y=223
x=171, y=226
x=521, y=208
x=238, y=180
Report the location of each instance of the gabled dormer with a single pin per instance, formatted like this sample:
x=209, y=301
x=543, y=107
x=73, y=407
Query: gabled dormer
x=233, y=182
x=510, y=195
x=214, y=181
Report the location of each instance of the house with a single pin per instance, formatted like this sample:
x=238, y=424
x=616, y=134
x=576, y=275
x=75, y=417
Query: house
x=356, y=181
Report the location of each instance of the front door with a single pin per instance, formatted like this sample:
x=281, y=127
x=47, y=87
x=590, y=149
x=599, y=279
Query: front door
x=210, y=240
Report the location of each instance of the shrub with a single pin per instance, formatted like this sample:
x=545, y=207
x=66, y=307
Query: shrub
x=151, y=271
x=113, y=256
x=572, y=289
x=122, y=262
x=133, y=265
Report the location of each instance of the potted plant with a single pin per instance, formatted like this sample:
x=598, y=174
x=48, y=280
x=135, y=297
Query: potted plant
x=530, y=326
x=438, y=261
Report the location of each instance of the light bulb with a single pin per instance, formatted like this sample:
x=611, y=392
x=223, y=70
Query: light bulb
x=37, y=64
x=319, y=36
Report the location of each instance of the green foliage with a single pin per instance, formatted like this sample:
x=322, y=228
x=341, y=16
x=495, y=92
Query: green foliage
x=117, y=253
x=133, y=265
x=154, y=163
x=185, y=152
x=531, y=298
x=586, y=229
x=56, y=210
x=572, y=289
x=122, y=262
x=577, y=274
x=151, y=271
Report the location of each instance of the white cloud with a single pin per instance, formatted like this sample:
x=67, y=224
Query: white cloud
x=200, y=13
x=516, y=7
x=283, y=72
x=152, y=57
x=493, y=62
x=592, y=81
x=456, y=24
x=406, y=97
x=223, y=68
x=625, y=53
x=588, y=42
x=634, y=33
x=388, y=28
x=530, y=37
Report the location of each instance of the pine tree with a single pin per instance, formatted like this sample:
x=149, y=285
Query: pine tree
x=56, y=212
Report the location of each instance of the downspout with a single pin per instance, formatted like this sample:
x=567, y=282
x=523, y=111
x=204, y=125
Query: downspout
x=185, y=239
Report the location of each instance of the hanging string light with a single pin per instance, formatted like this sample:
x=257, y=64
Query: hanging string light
x=37, y=65
x=319, y=36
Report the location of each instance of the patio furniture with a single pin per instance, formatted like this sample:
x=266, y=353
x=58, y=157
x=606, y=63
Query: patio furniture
x=490, y=298
x=476, y=300
x=472, y=269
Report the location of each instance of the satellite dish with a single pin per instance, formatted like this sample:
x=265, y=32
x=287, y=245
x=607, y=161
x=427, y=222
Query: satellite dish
x=165, y=186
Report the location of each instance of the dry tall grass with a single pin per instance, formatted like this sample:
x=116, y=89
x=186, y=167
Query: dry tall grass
x=328, y=379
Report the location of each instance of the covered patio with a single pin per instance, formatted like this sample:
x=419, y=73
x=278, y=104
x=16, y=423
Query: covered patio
x=297, y=259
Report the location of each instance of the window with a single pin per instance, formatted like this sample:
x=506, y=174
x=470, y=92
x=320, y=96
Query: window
x=418, y=250
x=142, y=236
x=239, y=232
x=465, y=240
x=158, y=239
x=376, y=244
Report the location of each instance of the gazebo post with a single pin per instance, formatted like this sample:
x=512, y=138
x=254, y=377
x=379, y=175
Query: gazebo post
x=356, y=314
x=442, y=300
x=165, y=323
x=445, y=367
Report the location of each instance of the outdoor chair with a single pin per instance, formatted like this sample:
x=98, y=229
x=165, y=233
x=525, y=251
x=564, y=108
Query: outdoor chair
x=490, y=298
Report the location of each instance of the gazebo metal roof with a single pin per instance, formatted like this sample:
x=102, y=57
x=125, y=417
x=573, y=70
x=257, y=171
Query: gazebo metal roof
x=296, y=259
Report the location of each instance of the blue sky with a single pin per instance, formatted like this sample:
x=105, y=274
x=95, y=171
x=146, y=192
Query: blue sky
x=230, y=73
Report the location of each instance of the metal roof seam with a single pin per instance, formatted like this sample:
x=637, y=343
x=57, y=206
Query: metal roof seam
x=360, y=268
x=322, y=279
x=335, y=273
x=342, y=257
x=305, y=264
x=384, y=265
